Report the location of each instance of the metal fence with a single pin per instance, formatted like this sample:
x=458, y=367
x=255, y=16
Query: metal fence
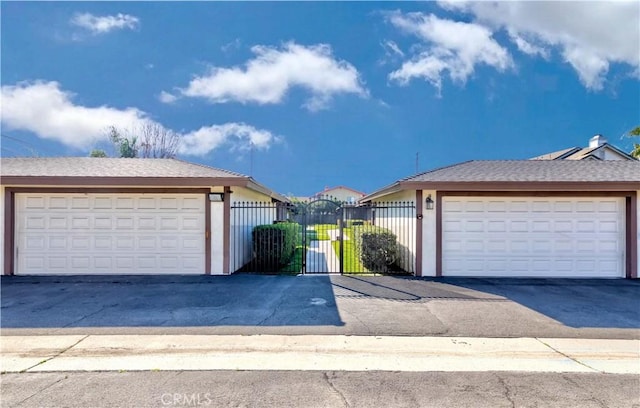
x=323, y=236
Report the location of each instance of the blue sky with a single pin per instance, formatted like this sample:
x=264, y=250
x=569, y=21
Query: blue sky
x=327, y=93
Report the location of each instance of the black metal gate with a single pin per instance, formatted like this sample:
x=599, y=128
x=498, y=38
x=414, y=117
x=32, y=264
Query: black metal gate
x=328, y=237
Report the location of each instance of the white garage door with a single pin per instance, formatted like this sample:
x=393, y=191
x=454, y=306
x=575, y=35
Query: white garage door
x=537, y=237
x=110, y=233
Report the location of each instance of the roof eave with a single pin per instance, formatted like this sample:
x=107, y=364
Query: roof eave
x=255, y=186
x=521, y=185
x=531, y=186
x=123, y=181
x=393, y=188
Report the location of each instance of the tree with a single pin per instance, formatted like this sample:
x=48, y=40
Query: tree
x=124, y=146
x=157, y=142
x=635, y=132
x=147, y=140
x=98, y=153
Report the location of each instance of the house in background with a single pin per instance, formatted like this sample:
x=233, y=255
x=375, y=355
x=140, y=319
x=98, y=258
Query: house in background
x=339, y=193
x=599, y=149
x=81, y=215
x=524, y=218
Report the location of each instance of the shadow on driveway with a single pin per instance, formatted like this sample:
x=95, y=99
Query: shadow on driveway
x=578, y=303
x=352, y=305
x=136, y=301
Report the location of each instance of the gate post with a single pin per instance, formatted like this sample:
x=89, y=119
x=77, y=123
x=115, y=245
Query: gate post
x=341, y=237
x=303, y=218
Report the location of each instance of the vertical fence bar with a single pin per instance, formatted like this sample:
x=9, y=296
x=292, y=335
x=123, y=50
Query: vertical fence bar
x=341, y=221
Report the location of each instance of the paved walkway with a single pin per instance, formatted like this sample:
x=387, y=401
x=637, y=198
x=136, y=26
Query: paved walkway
x=339, y=353
x=321, y=257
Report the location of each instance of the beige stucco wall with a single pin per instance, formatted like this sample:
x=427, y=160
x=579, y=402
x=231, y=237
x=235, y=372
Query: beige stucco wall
x=2, y=229
x=217, y=237
x=242, y=223
x=429, y=235
x=402, y=222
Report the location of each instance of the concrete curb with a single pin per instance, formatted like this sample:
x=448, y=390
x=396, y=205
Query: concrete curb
x=339, y=353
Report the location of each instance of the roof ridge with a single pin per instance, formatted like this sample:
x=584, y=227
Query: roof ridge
x=436, y=169
x=211, y=167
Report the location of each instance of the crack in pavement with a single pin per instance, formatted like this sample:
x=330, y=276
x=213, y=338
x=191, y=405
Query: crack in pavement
x=444, y=326
x=88, y=315
x=507, y=390
x=55, y=356
x=575, y=384
x=275, y=310
x=336, y=390
x=570, y=358
x=369, y=332
x=41, y=390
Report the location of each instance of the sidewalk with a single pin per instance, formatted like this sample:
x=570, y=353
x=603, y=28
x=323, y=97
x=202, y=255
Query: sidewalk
x=321, y=258
x=310, y=353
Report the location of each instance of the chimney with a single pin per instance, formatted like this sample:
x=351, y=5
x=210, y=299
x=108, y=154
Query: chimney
x=597, y=140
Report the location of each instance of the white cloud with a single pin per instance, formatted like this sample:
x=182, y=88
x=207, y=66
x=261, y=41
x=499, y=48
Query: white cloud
x=452, y=47
x=391, y=48
x=268, y=77
x=238, y=136
x=392, y=53
x=589, y=35
x=527, y=46
x=166, y=97
x=104, y=24
x=235, y=44
x=47, y=111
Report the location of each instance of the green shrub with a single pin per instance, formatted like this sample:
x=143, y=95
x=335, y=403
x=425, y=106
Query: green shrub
x=375, y=246
x=274, y=245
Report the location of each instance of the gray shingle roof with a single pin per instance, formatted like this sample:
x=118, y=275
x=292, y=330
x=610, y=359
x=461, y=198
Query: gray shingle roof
x=81, y=171
x=523, y=175
x=107, y=167
x=535, y=171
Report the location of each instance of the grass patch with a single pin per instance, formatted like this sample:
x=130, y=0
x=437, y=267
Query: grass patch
x=321, y=230
x=351, y=262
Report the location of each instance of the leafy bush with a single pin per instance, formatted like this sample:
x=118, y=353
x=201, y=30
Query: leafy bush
x=274, y=245
x=375, y=246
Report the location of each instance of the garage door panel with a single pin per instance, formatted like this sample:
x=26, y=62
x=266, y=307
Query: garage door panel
x=518, y=226
x=35, y=243
x=81, y=243
x=124, y=203
x=539, y=206
x=568, y=237
x=35, y=222
x=147, y=223
x=103, y=263
x=80, y=222
x=57, y=222
x=57, y=263
x=190, y=223
x=106, y=234
x=609, y=226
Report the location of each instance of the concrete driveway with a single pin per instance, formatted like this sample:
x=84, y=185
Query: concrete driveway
x=351, y=305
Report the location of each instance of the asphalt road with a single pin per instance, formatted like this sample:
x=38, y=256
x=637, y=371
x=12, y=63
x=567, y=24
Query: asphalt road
x=325, y=305
x=318, y=389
